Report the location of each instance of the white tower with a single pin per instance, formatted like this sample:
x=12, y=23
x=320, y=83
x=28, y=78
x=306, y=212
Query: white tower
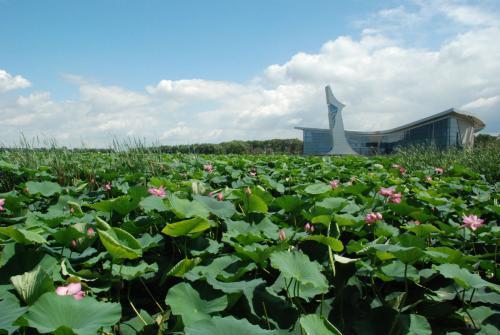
x=340, y=146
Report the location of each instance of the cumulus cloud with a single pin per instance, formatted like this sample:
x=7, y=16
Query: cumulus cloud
x=483, y=103
x=385, y=85
x=9, y=82
x=383, y=82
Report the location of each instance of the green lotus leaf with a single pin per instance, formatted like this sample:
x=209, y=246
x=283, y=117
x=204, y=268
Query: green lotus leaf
x=246, y=288
x=45, y=188
x=186, y=302
x=22, y=236
x=289, y=203
x=32, y=285
x=10, y=312
x=318, y=188
x=325, y=220
x=184, y=208
x=294, y=289
x=313, y=324
x=136, y=324
x=84, y=317
x=130, y=272
x=415, y=324
x=153, y=203
x=345, y=219
x=445, y=255
x=382, y=228
x=222, y=209
x=67, y=234
x=190, y=227
x=331, y=242
x=333, y=204
x=464, y=278
x=423, y=230
x=405, y=254
x=214, y=269
x=298, y=266
x=268, y=181
x=121, y=205
x=183, y=266
x=225, y=326
x=120, y=244
x=356, y=188
x=255, y=204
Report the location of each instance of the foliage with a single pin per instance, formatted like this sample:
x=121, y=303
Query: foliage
x=484, y=159
x=276, y=146
x=251, y=245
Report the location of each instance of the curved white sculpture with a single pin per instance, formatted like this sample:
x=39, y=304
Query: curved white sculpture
x=340, y=146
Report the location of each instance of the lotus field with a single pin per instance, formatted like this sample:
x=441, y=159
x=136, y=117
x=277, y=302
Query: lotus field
x=234, y=245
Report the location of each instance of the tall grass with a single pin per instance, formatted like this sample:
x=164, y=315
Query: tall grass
x=134, y=155
x=125, y=156
x=484, y=159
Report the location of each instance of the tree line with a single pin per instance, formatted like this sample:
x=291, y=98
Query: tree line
x=275, y=146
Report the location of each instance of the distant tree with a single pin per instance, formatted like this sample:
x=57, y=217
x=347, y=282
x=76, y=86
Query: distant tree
x=483, y=140
x=284, y=146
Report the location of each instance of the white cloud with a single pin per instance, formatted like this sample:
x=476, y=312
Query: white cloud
x=196, y=89
x=469, y=15
x=9, y=82
x=483, y=103
x=383, y=82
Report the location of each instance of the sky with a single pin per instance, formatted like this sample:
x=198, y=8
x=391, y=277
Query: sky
x=179, y=72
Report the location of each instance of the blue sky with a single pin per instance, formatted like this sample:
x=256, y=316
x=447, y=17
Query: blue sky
x=134, y=43
x=82, y=70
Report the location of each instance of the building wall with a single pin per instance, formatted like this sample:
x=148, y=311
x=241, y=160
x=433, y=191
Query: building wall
x=449, y=128
x=442, y=133
x=317, y=141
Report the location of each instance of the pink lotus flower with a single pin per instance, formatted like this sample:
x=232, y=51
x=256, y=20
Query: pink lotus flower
x=74, y=289
x=157, y=192
x=439, y=170
x=472, y=221
x=90, y=232
x=2, y=203
x=395, y=198
x=402, y=170
x=372, y=218
x=309, y=227
x=220, y=196
x=416, y=222
x=208, y=167
x=386, y=192
x=107, y=187
x=428, y=178
x=335, y=183
x=282, y=235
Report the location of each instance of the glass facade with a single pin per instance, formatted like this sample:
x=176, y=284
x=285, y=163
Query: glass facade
x=441, y=133
x=332, y=112
x=317, y=141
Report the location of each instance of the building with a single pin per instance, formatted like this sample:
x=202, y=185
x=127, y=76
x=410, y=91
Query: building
x=450, y=128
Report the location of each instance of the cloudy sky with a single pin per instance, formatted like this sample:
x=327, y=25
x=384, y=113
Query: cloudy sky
x=197, y=71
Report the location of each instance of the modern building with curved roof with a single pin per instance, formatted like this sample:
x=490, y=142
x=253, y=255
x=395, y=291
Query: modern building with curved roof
x=451, y=128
